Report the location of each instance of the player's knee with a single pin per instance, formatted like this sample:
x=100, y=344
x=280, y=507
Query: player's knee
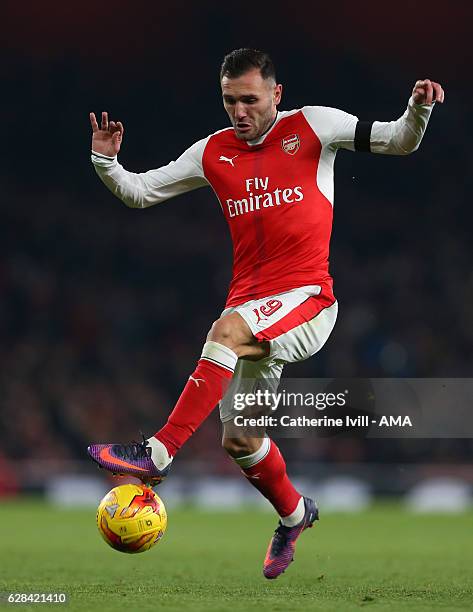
x=240, y=447
x=220, y=330
x=228, y=331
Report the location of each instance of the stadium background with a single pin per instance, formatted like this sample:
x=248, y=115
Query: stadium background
x=104, y=310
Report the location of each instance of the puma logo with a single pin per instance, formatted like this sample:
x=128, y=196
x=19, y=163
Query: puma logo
x=267, y=310
x=196, y=380
x=260, y=318
x=228, y=159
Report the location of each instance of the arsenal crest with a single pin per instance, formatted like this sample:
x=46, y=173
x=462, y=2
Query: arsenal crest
x=290, y=144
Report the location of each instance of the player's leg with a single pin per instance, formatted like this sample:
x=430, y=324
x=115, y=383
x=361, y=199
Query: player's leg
x=263, y=465
x=259, y=458
x=229, y=338
x=298, y=331
x=265, y=469
x=296, y=345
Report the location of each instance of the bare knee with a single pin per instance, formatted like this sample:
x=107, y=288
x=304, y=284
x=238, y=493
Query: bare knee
x=241, y=447
x=233, y=331
x=223, y=331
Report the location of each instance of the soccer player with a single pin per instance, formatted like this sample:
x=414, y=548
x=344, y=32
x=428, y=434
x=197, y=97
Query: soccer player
x=272, y=172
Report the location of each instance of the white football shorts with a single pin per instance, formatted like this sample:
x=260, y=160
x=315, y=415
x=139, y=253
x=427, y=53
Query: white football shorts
x=296, y=323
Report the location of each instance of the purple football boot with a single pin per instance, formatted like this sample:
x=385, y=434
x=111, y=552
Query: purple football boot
x=129, y=459
x=283, y=543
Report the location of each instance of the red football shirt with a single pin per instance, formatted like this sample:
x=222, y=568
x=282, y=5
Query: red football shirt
x=276, y=192
x=279, y=220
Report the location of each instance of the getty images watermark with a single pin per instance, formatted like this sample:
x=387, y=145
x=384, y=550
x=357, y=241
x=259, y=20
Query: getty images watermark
x=380, y=407
x=319, y=401
x=261, y=398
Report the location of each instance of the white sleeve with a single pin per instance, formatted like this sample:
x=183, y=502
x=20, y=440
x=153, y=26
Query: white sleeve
x=333, y=127
x=338, y=129
x=403, y=136
x=148, y=188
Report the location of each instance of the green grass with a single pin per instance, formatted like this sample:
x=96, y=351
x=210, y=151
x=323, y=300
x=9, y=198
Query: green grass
x=384, y=559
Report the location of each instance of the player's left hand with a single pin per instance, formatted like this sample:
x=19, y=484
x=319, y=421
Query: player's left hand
x=427, y=92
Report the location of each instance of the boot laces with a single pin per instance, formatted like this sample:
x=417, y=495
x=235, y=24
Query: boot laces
x=279, y=539
x=134, y=450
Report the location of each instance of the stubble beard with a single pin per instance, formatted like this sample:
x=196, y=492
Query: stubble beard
x=254, y=135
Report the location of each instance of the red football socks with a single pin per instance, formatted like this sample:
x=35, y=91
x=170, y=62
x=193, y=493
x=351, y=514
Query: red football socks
x=269, y=476
x=204, y=389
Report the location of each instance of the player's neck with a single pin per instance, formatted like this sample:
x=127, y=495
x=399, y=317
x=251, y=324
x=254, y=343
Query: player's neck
x=271, y=123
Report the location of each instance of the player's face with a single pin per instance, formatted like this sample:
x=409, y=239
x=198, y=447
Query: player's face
x=250, y=102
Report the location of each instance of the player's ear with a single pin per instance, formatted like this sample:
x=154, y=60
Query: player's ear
x=277, y=94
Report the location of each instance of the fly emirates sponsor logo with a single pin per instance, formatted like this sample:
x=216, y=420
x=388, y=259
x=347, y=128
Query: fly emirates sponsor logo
x=259, y=195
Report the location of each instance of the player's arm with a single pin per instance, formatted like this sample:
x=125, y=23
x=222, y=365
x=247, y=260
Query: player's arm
x=340, y=130
x=139, y=190
x=403, y=136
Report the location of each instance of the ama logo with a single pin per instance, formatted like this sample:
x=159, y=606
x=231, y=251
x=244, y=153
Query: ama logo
x=395, y=421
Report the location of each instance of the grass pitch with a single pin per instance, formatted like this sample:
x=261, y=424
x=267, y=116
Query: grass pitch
x=384, y=559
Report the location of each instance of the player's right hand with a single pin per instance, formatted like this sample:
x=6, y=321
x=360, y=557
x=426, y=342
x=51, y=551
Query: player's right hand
x=108, y=138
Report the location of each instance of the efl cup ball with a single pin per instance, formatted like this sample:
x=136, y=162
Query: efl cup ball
x=131, y=518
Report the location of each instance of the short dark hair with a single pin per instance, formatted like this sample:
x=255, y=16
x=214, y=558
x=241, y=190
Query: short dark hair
x=240, y=61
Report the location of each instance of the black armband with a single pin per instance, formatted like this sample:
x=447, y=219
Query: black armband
x=363, y=136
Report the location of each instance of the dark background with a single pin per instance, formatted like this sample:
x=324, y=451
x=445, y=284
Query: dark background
x=104, y=310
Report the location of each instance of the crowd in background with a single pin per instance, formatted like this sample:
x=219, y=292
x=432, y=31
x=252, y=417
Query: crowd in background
x=104, y=310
